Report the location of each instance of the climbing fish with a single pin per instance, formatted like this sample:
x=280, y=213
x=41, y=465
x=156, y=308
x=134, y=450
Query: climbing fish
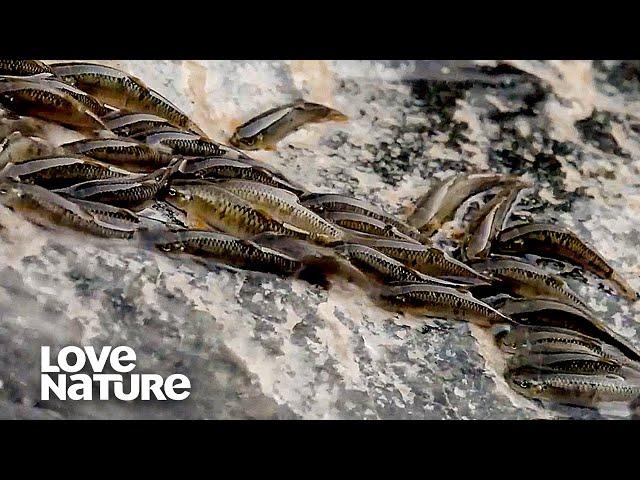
x=121, y=90
x=176, y=142
x=425, y=259
x=268, y=128
x=385, y=268
x=488, y=222
x=61, y=171
x=228, y=168
x=39, y=205
x=329, y=202
x=213, y=207
x=23, y=67
x=571, y=389
x=441, y=302
x=550, y=340
x=87, y=100
x=441, y=202
x=528, y=281
x=229, y=250
x=284, y=206
x=562, y=244
x=126, y=124
x=577, y=363
x=127, y=191
x=368, y=225
x=42, y=100
x=549, y=313
x=127, y=153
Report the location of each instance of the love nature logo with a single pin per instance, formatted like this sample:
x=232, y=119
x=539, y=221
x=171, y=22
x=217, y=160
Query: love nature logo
x=63, y=379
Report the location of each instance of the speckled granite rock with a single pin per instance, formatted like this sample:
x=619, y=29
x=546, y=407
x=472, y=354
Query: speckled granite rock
x=257, y=346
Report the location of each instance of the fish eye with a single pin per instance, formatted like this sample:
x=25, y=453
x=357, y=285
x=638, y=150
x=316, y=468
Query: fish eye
x=523, y=383
x=3, y=191
x=172, y=192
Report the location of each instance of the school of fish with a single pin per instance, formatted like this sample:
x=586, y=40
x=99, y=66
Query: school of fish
x=145, y=172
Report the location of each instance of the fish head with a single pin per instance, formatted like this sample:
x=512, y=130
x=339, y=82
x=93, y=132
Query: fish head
x=246, y=143
x=10, y=193
x=525, y=383
x=178, y=195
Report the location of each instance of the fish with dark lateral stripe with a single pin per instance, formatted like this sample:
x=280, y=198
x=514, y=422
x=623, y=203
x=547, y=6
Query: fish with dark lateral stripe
x=124, y=152
x=122, y=90
x=128, y=191
x=227, y=168
x=44, y=207
x=572, y=389
x=268, y=128
x=443, y=200
x=24, y=67
x=61, y=171
x=213, y=207
x=562, y=244
x=427, y=259
x=441, y=302
x=42, y=100
x=330, y=202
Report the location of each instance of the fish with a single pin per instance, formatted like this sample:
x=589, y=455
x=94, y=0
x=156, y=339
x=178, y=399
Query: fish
x=426, y=259
x=61, y=171
x=130, y=190
x=385, y=268
x=443, y=200
x=214, y=168
x=368, y=225
x=230, y=250
x=268, y=128
x=284, y=206
x=24, y=67
x=124, y=152
x=549, y=340
x=121, y=90
x=528, y=281
x=39, y=204
x=176, y=142
x=213, y=207
x=126, y=124
x=84, y=98
x=560, y=243
x=549, y=313
x=319, y=263
x=16, y=148
x=577, y=363
x=42, y=100
x=441, y=302
x=329, y=202
x=572, y=389
x=488, y=222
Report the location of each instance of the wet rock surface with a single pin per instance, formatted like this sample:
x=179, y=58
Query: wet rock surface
x=259, y=346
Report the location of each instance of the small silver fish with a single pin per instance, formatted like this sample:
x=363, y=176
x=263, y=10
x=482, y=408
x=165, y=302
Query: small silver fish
x=284, y=206
x=441, y=302
x=127, y=153
x=426, y=259
x=268, y=128
x=571, y=389
x=40, y=205
x=441, y=202
x=368, y=225
x=528, y=281
x=176, y=142
x=42, y=100
x=61, y=171
x=130, y=190
x=121, y=90
x=330, y=202
x=560, y=243
x=215, y=168
x=488, y=222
